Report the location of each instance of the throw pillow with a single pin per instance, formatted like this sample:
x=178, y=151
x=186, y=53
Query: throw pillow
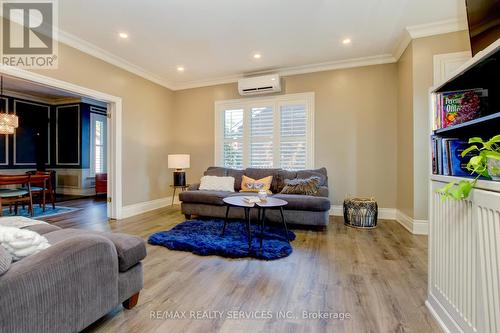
x=5, y=260
x=215, y=183
x=21, y=243
x=308, y=186
x=252, y=185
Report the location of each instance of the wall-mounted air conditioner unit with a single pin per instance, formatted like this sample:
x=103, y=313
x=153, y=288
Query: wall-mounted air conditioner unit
x=259, y=85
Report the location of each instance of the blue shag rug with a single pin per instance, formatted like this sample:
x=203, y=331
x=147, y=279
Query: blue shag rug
x=205, y=238
x=38, y=212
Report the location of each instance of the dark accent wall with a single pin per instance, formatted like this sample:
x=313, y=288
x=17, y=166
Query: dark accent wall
x=49, y=136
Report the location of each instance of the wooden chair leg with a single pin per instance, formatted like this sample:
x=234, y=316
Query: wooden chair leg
x=53, y=197
x=31, y=203
x=43, y=200
x=131, y=302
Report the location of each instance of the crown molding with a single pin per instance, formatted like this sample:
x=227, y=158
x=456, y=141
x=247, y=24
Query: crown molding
x=294, y=70
x=437, y=28
x=426, y=30
x=108, y=57
x=410, y=32
x=403, y=43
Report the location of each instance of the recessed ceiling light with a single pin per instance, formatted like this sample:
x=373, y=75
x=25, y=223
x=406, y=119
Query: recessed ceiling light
x=123, y=35
x=346, y=41
x=257, y=56
x=180, y=69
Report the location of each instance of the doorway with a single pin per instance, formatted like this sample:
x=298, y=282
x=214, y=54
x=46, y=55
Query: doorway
x=109, y=131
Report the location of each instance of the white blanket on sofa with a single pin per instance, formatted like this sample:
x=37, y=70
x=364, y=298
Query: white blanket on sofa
x=21, y=243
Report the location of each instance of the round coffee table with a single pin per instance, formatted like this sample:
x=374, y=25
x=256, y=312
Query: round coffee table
x=270, y=203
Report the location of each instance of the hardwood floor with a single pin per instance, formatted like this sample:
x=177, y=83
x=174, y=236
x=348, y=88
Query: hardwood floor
x=378, y=277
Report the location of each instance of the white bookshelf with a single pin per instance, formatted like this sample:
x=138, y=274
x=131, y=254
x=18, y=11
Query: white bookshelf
x=464, y=236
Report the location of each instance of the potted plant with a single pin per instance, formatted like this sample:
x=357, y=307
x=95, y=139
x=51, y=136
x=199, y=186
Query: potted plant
x=485, y=163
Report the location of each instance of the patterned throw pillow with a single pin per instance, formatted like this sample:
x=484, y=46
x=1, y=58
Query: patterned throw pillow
x=251, y=185
x=308, y=186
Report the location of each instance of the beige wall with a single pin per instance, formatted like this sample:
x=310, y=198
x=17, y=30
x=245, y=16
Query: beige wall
x=424, y=50
x=405, y=133
x=147, y=115
x=355, y=127
x=371, y=127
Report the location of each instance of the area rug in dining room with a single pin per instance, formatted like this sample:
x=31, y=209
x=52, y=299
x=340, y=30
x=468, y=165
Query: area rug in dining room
x=205, y=238
x=38, y=211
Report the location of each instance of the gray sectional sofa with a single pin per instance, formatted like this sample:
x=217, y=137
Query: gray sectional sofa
x=81, y=277
x=301, y=209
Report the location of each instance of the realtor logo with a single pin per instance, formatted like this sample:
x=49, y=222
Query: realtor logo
x=29, y=33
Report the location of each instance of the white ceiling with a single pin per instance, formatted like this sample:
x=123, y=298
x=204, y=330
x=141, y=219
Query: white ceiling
x=215, y=39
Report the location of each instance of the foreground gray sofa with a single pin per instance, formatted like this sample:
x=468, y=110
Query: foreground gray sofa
x=301, y=209
x=81, y=277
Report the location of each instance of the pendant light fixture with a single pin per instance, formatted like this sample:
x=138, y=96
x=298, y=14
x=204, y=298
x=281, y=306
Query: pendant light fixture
x=8, y=122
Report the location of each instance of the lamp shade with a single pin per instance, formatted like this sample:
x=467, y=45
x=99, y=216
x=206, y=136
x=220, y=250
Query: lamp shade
x=178, y=161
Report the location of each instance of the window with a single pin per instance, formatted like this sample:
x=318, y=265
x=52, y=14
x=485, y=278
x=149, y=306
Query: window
x=274, y=132
x=98, y=143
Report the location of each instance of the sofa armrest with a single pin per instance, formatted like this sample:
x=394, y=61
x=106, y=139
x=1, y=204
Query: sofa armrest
x=63, y=288
x=194, y=187
x=323, y=191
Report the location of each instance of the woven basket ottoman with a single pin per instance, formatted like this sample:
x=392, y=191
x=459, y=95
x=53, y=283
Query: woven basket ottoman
x=360, y=213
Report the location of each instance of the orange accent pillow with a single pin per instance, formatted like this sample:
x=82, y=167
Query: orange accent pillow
x=251, y=185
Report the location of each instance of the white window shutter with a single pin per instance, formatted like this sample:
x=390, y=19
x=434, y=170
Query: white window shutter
x=233, y=139
x=261, y=137
x=275, y=132
x=293, y=137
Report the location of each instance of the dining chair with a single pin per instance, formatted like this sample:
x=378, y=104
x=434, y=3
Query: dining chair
x=19, y=191
x=41, y=185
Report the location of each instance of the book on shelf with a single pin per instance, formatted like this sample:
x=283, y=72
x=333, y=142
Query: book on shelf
x=457, y=107
x=447, y=157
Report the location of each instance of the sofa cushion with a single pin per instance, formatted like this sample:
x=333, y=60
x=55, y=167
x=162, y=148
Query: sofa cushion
x=222, y=172
x=321, y=173
x=238, y=175
x=308, y=186
x=304, y=202
x=42, y=228
x=217, y=183
x=215, y=171
x=281, y=176
x=204, y=197
x=130, y=249
x=258, y=173
x=255, y=185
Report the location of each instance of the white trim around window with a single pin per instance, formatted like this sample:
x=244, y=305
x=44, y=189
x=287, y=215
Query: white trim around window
x=276, y=103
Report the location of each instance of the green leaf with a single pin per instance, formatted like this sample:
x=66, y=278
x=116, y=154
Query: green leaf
x=495, y=139
x=465, y=187
x=476, y=140
x=468, y=150
x=492, y=154
x=445, y=188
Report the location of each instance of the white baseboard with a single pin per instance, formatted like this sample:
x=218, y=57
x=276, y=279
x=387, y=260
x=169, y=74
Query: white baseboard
x=75, y=191
x=444, y=320
x=417, y=227
x=383, y=213
x=143, y=207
